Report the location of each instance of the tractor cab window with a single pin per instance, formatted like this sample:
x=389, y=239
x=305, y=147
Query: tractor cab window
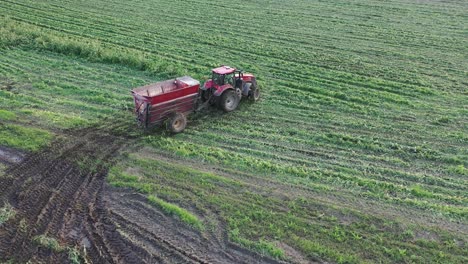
x=229, y=78
x=222, y=79
x=218, y=78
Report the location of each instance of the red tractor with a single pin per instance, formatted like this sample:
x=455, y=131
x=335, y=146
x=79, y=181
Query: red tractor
x=227, y=86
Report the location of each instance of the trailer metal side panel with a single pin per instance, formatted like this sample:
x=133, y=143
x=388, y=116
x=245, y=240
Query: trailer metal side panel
x=154, y=103
x=159, y=112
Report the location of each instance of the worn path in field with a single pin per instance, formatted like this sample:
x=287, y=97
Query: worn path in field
x=61, y=193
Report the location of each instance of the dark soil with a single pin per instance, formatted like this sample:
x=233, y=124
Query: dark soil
x=61, y=193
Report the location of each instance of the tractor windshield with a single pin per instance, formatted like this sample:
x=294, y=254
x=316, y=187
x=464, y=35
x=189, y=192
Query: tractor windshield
x=222, y=79
x=218, y=78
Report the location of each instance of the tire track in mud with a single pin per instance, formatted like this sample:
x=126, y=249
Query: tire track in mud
x=161, y=235
x=55, y=193
x=60, y=192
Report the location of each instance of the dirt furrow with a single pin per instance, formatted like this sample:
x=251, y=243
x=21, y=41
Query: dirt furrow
x=52, y=186
x=157, y=246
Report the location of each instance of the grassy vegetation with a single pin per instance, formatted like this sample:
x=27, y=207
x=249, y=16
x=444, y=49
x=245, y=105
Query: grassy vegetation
x=2, y=170
x=357, y=151
x=7, y=115
x=74, y=255
x=184, y=215
x=6, y=212
x=22, y=137
x=49, y=242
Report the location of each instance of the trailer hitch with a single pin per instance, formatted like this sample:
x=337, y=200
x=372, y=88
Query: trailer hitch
x=200, y=106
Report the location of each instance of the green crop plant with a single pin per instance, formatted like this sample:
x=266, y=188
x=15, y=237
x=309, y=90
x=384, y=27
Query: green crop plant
x=7, y=115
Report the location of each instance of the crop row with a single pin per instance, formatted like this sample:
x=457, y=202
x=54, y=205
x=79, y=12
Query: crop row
x=154, y=38
x=101, y=97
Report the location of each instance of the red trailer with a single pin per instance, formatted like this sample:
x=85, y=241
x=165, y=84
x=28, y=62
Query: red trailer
x=170, y=100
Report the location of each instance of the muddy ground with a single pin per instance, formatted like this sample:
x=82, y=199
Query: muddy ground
x=60, y=192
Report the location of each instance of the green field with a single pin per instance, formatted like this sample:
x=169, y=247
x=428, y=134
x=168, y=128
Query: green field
x=357, y=151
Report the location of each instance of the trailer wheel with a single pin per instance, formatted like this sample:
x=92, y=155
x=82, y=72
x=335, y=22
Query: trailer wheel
x=229, y=101
x=177, y=123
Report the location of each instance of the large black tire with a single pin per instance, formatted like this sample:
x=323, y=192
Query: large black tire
x=254, y=93
x=229, y=101
x=177, y=123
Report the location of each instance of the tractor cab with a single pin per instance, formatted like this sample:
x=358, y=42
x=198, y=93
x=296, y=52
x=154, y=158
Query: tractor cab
x=223, y=75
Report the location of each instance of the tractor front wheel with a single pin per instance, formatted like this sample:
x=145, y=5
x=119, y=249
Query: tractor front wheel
x=254, y=94
x=177, y=123
x=229, y=101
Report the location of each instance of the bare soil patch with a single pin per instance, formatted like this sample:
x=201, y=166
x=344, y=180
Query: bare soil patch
x=61, y=193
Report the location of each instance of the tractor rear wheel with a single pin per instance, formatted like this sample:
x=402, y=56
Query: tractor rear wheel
x=177, y=123
x=229, y=101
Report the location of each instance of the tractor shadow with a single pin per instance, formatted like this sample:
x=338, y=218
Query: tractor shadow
x=202, y=119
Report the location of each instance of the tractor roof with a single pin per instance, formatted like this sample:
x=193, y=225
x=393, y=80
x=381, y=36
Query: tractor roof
x=224, y=70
